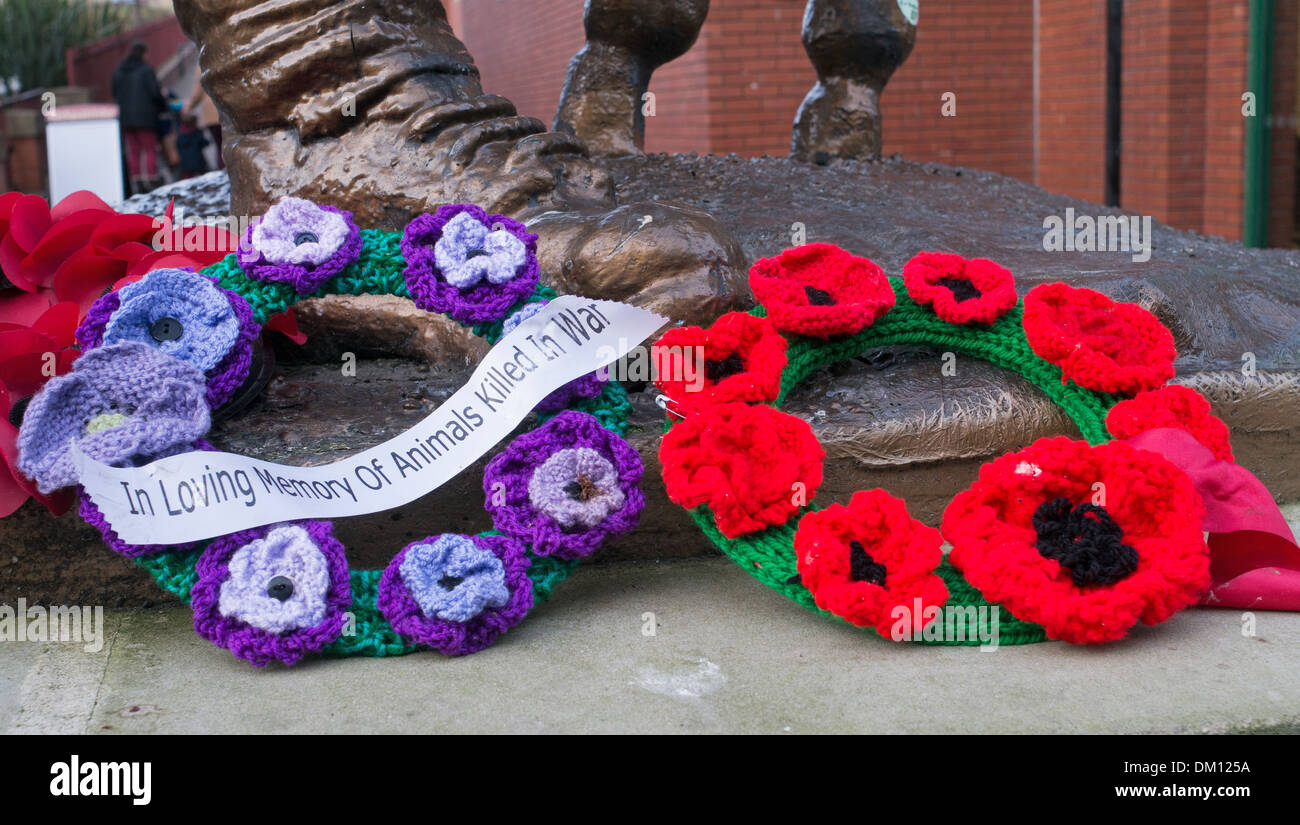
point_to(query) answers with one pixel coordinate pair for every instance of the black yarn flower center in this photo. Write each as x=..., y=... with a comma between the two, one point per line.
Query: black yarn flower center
x=475, y=253
x=818, y=297
x=716, y=370
x=450, y=582
x=863, y=568
x=961, y=289
x=582, y=489
x=1084, y=540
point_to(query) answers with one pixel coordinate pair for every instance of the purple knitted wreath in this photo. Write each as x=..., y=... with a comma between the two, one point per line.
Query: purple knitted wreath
x=91, y=515
x=468, y=264
x=119, y=404
x=456, y=593
x=565, y=487
x=230, y=371
x=275, y=592
x=584, y=386
x=299, y=243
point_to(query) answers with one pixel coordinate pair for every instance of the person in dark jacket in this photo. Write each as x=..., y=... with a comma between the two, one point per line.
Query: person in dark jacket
x=140, y=102
x=190, y=141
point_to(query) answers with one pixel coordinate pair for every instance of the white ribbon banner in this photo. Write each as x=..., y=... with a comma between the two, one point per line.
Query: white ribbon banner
x=200, y=495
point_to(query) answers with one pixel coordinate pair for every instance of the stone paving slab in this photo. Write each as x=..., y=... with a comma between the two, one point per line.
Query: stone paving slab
x=727, y=655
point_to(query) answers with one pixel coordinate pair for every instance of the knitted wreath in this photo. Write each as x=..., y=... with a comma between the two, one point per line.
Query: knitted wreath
x=1077, y=539
x=164, y=353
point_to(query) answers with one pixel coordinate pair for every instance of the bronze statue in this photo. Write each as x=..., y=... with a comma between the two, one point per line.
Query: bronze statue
x=375, y=106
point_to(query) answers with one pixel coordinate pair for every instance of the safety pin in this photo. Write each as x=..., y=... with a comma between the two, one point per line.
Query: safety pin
x=669, y=406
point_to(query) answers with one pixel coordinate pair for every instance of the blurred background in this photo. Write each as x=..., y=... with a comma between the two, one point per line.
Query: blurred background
x=1202, y=105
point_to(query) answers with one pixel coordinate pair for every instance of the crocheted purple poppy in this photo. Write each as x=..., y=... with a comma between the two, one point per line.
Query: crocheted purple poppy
x=276, y=592
x=92, y=515
x=565, y=486
x=584, y=386
x=121, y=404
x=465, y=263
x=185, y=315
x=299, y=243
x=456, y=593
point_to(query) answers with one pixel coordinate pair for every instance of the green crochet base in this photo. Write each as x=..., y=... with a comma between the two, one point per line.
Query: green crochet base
x=378, y=270
x=769, y=555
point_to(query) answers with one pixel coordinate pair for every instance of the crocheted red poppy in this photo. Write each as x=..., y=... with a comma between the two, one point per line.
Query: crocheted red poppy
x=1174, y=406
x=862, y=561
x=739, y=358
x=1082, y=540
x=1099, y=343
x=960, y=290
x=820, y=290
x=745, y=462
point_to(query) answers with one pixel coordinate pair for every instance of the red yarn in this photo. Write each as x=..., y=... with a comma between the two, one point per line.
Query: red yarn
x=880, y=524
x=1171, y=406
x=744, y=461
x=993, y=282
x=1099, y=343
x=857, y=291
x=736, y=336
x=994, y=541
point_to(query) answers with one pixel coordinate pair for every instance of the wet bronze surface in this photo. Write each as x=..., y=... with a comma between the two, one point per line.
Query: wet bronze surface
x=375, y=106
x=602, y=101
x=855, y=46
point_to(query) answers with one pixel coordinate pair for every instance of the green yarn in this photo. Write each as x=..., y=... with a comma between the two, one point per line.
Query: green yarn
x=768, y=555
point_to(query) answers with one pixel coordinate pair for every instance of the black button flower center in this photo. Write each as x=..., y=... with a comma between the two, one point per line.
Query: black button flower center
x=716, y=370
x=582, y=489
x=305, y=237
x=280, y=588
x=166, y=329
x=961, y=289
x=450, y=582
x=863, y=568
x=1084, y=540
x=818, y=297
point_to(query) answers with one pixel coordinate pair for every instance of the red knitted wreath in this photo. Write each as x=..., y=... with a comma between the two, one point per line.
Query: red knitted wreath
x=744, y=461
x=862, y=561
x=960, y=290
x=1099, y=343
x=820, y=290
x=1000, y=537
x=742, y=361
x=1171, y=406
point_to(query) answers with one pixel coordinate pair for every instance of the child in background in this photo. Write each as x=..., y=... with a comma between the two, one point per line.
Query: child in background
x=190, y=142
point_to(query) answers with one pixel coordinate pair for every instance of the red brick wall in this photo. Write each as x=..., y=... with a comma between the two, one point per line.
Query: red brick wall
x=1223, y=182
x=1072, y=98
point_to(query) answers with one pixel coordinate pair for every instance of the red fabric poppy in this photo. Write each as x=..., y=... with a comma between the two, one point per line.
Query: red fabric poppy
x=1174, y=406
x=820, y=290
x=739, y=358
x=862, y=561
x=745, y=461
x=1099, y=343
x=1082, y=540
x=960, y=290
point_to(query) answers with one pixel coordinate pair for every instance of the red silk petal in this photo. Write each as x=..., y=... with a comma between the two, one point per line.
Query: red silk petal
x=286, y=323
x=29, y=220
x=22, y=308
x=80, y=200
x=11, y=263
x=1254, y=558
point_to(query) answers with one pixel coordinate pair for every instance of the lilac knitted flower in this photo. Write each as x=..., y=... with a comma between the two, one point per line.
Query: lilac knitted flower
x=186, y=315
x=456, y=593
x=301, y=244
x=276, y=592
x=121, y=404
x=565, y=486
x=91, y=515
x=584, y=386
x=465, y=263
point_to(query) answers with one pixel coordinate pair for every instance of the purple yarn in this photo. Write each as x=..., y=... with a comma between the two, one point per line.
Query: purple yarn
x=91, y=515
x=256, y=645
x=511, y=505
x=584, y=386
x=162, y=401
x=225, y=377
x=299, y=243
x=455, y=638
x=478, y=301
